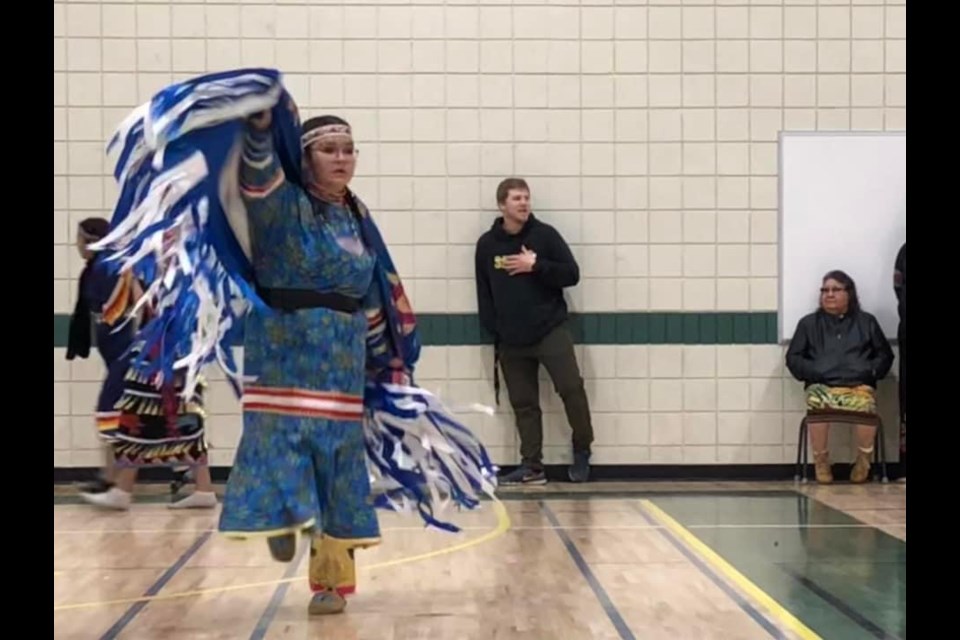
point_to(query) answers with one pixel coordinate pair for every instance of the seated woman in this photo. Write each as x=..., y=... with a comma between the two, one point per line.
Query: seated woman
x=839, y=352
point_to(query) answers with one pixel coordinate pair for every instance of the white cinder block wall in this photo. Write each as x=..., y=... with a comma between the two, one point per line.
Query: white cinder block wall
x=647, y=130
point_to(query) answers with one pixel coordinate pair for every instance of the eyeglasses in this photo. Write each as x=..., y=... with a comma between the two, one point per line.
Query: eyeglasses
x=346, y=152
x=832, y=289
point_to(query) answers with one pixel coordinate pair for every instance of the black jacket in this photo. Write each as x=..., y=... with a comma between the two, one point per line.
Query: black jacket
x=900, y=287
x=839, y=351
x=521, y=310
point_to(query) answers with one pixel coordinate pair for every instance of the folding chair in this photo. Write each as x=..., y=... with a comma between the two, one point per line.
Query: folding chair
x=802, y=471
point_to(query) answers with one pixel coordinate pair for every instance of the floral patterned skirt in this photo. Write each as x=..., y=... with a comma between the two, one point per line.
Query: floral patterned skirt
x=295, y=473
x=856, y=400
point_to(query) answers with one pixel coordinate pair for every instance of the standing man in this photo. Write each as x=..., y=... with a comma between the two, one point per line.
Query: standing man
x=522, y=267
x=900, y=287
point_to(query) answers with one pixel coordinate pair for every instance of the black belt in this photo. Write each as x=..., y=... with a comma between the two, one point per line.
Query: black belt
x=290, y=300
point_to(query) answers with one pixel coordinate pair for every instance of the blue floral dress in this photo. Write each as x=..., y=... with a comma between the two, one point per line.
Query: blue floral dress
x=301, y=462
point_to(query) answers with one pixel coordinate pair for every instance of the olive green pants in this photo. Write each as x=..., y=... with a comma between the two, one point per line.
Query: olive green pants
x=520, y=366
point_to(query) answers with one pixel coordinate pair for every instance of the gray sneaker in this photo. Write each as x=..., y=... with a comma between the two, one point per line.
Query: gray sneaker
x=524, y=474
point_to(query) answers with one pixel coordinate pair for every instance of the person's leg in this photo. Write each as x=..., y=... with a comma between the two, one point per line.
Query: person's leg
x=520, y=368
x=819, y=436
x=126, y=478
x=348, y=520
x=203, y=496
x=193, y=451
x=861, y=399
x=115, y=489
x=271, y=490
x=109, y=468
x=865, y=435
x=559, y=358
x=104, y=480
x=107, y=421
x=823, y=399
x=204, y=480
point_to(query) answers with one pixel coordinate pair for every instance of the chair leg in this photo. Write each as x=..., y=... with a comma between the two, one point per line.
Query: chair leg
x=800, y=472
x=880, y=449
x=796, y=466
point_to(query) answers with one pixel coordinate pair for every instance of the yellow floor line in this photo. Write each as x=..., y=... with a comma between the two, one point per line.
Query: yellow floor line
x=787, y=619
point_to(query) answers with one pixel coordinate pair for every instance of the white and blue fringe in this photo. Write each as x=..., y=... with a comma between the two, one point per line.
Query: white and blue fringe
x=420, y=457
x=170, y=227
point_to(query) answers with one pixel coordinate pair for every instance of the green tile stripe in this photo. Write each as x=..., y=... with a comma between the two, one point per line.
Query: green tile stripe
x=458, y=329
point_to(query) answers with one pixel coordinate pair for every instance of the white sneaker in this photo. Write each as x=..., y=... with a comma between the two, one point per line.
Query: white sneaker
x=196, y=500
x=114, y=498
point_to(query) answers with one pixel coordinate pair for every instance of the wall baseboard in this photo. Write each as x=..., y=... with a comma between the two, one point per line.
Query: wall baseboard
x=613, y=472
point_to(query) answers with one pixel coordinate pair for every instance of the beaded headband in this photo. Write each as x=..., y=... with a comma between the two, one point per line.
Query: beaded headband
x=311, y=136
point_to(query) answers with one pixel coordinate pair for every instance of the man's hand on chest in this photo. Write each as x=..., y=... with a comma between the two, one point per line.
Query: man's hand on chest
x=517, y=263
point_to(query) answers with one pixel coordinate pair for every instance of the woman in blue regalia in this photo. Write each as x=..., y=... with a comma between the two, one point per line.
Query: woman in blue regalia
x=301, y=463
x=232, y=210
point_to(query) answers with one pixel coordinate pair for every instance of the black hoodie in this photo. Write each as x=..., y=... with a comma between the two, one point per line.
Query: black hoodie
x=521, y=310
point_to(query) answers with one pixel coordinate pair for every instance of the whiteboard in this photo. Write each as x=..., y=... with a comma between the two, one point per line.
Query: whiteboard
x=843, y=205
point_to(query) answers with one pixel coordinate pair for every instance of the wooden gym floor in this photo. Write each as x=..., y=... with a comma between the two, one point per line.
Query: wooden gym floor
x=605, y=560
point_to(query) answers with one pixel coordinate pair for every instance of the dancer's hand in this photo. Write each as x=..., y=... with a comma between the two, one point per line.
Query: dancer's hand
x=262, y=120
x=400, y=377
